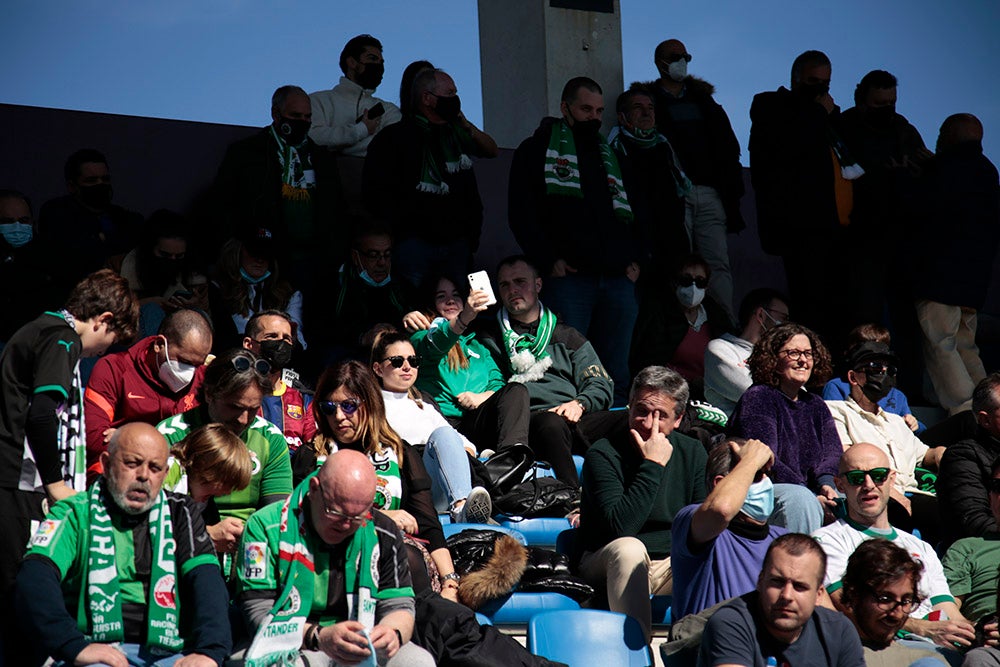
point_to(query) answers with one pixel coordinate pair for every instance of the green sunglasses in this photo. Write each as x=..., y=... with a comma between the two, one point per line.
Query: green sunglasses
x=857, y=477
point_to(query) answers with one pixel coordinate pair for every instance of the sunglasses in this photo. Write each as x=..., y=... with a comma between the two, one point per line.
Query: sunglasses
x=687, y=280
x=243, y=363
x=397, y=360
x=876, y=368
x=348, y=407
x=857, y=477
x=674, y=57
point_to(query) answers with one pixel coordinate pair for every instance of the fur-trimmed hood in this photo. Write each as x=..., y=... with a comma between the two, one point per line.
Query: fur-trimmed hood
x=498, y=577
x=695, y=86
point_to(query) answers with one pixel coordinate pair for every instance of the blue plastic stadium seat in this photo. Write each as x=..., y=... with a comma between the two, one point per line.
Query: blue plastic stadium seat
x=578, y=460
x=589, y=638
x=444, y=518
x=660, y=605
x=522, y=607
x=455, y=528
x=541, y=532
x=483, y=619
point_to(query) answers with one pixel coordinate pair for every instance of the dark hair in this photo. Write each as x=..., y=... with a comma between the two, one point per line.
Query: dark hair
x=511, y=260
x=877, y=78
x=365, y=227
x=763, y=361
x=808, y=59
x=280, y=96
x=689, y=260
x=574, y=85
x=634, y=90
x=222, y=378
x=76, y=161
x=254, y=326
x=424, y=81
x=176, y=326
x=758, y=298
x=382, y=342
x=984, y=395
x=958, y=128
x=868, y=333
x=375, y=432
x=664, y=380
x=9, y=193
x=161, y=224
x=722, y=459
x=235, y=294
x=874, y=564
x=456, y=359
x=406, y=84
x=796, y=544
x=105, y=291
x=355, y=47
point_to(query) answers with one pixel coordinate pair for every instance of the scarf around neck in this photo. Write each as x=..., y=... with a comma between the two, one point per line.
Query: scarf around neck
x=279, y=638
x=527, y=352
x=562, y=170
x=99, y=614
x=452, y=142
x=682, y=184
x=297, y=176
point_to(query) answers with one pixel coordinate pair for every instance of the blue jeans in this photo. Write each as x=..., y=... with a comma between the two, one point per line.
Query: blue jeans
x=448, y=466
x=604, y=310
x=413, y=260
x=797, y=509
x=137, y=657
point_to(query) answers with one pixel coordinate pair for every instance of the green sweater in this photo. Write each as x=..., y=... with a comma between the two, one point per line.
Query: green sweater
x=443, y=383
x=624, y=495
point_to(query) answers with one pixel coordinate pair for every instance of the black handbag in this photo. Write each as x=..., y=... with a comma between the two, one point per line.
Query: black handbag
x=508, y=468
x=539, y=497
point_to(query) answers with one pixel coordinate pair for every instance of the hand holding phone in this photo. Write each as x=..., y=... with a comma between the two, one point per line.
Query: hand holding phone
x=480, y=281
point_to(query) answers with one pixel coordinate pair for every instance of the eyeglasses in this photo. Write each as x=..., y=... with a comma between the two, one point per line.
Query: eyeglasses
x=348, y=407
x=397, y=360
x=686, y=280
x=674, y=57
x=795, y=355
x=887, y=602
x=356, y=520
x=375, y=255
x=857, y=477
x=243, y=363
x=877, y=368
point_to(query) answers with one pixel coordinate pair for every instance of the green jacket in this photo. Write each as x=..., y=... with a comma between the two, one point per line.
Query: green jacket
x=443, y=383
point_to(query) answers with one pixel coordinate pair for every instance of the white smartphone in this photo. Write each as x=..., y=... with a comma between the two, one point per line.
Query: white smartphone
x=480, y=280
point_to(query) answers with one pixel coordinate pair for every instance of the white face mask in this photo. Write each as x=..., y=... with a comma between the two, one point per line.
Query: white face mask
x=175, y=374
x=690, y=296
x=678, y=70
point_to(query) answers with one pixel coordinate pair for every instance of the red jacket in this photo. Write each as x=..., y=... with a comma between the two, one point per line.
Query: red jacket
x=124, y=387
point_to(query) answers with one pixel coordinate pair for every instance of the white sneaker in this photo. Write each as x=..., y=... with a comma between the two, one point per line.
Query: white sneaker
x=478, y=507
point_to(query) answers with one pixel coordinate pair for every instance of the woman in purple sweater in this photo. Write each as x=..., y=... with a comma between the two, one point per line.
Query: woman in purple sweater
x=796, y=424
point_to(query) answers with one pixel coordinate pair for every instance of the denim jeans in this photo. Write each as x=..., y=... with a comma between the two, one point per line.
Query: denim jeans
x=604, y=310
x=137, y=656
x=797, y=509
x=448, y=466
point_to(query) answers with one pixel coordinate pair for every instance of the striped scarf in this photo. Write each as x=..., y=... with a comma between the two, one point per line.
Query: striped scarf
x=528, y=354
x=452, y=144
x=297, y=176
x=562, y=172
x=682, y=184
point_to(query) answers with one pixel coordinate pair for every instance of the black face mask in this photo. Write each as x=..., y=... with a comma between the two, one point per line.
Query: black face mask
x=278, y=352
x=448, y=107
x=292, y=130
x=881, y=116
x=165, y=268
x=877, y=386
x=96, y=196
x=371, y=76
x=586, y=128
x=812, y=91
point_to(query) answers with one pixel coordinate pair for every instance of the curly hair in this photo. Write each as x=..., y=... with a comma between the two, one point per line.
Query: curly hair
x=876, y=563
x=765, y=361
x=105, y=291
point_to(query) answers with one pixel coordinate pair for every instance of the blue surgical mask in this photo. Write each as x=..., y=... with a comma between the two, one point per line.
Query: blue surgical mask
x=17, y=233
x=254, y=281
x=760, y=500
x=368, y=280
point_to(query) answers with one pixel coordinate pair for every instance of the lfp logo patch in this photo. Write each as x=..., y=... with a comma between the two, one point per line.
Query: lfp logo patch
x=253, y=561
x=46, y=531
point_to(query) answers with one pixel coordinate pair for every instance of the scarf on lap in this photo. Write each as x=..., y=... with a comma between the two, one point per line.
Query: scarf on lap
x=682, y=184
x=452, y=144
x=279, y=638
x=562, y=171
x=100, y=609
x=528, y=354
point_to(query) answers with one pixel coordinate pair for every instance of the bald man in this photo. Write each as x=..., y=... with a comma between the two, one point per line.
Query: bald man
x=866, y=479
x=137, y=555
x=154, y=379
x=316, y=540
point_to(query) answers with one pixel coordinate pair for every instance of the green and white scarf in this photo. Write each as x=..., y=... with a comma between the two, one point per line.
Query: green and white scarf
x=682, y=184
x=528, y=354
x=452, y=144
x=297, y=176
x=279, y=638
x=99, y=615
x=562, y=172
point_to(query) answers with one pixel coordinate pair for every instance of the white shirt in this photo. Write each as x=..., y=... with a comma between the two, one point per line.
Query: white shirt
x=727, y=375
x=412, y=422
x=886, y=431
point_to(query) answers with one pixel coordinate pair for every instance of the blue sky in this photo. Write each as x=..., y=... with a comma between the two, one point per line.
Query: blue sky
x=219, y=60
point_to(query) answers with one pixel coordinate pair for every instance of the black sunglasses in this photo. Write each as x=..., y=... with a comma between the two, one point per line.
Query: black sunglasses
x=348, y=407
x=877, y=368
x=243, y=363
x=674, y=57
x=857, y=477
x=398, y=359
x=687, y=280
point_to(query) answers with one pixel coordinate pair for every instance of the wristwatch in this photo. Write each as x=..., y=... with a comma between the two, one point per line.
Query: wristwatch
x=453, y=576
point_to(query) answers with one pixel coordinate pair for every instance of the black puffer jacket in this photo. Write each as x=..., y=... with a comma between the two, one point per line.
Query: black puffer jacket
x=963, y=486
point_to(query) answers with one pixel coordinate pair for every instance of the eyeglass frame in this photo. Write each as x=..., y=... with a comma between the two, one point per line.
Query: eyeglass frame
x=262, y=366
x=883, y=599
x=329, y=408
x=355, y=520
x=413, y=359
x=795, y=355
x=847, y=475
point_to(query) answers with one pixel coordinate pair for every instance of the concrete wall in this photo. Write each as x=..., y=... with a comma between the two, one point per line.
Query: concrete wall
x=529, y=50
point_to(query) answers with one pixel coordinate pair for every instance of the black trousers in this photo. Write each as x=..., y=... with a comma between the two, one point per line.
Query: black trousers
x=554, y=439
x=500, y=421
x=17, y=510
